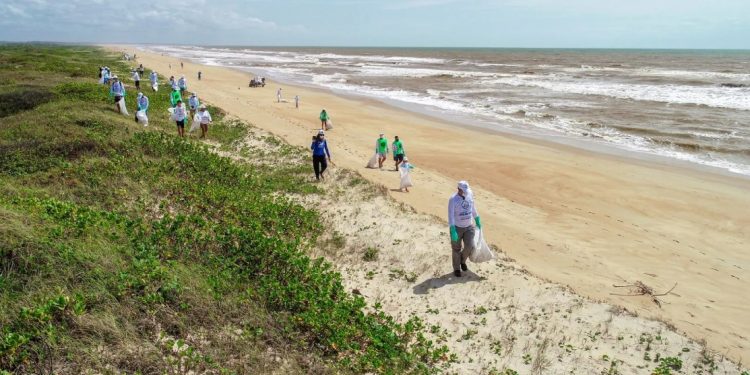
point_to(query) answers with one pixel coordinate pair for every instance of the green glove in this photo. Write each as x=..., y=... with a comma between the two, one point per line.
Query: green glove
x=454, y=234
x=479, y=223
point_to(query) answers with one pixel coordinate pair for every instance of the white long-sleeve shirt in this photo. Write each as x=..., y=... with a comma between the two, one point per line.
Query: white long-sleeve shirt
x=461, y=211
x=179, y=113
x=205, y=117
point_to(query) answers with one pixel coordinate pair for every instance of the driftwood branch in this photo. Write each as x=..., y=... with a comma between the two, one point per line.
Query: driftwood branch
x=638, y=288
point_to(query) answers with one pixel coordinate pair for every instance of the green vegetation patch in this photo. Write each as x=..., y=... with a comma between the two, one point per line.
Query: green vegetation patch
x=127, y=248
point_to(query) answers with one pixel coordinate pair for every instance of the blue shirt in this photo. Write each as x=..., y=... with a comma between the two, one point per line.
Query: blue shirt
x=320, y=148
x=143, y=103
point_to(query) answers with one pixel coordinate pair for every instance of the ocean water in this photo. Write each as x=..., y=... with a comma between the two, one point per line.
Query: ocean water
x=688, y=105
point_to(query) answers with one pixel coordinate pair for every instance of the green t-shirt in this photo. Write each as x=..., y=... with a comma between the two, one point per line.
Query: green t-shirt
x=323, y=116
x=382, y=145
x=175, y=97
x=398, y=148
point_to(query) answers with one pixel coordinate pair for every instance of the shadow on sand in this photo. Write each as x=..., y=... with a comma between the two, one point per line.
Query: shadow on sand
x=447, y=279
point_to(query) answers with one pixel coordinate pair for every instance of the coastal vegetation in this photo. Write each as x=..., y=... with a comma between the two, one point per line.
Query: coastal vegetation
x=128, y=249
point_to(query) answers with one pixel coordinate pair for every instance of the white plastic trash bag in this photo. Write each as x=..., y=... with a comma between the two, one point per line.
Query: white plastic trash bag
x=196, y=123
x=329, y=124
x=482, y=252
x=142, y=118
x=171, y=114
x=123, y=108
x=405, y=178
x=373, y=163
x=155, y=87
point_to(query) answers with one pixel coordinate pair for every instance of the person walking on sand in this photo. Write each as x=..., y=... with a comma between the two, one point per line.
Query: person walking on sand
x=182, y=66
x=296, y=101
x=193, y=104
x=117, y=90
x=406, y=168
x=319, y=149
x=323, y=119
x=461, y=211
x=398, y=152
x=175, y=97
x=381, y=148
x=182, y=83
x=137, y=79
x=205, y=119
x=179, y=117
x=199, y=75
x=278, y=95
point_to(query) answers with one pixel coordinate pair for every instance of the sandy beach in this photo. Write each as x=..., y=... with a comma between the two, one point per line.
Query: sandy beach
x=579, y=219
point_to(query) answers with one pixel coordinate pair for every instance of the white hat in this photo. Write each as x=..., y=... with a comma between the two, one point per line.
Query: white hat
x=321, y=132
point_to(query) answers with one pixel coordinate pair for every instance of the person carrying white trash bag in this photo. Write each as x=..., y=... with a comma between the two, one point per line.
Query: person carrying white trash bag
x=141, y=116
x=381, y=151
x=154, y=77
x=117, y=90
x=462, y=216
x=405, y=170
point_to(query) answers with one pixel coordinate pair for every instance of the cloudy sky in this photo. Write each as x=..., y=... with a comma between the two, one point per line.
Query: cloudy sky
x=450, y=23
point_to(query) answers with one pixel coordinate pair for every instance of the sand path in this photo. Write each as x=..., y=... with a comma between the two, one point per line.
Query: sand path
x=576, y=218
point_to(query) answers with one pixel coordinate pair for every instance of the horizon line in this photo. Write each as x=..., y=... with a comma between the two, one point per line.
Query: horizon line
x=374, y=46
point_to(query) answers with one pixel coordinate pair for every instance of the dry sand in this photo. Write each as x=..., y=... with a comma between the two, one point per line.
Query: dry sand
x=575, y=218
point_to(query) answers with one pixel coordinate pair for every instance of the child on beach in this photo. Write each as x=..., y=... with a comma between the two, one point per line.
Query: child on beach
x=406, y=175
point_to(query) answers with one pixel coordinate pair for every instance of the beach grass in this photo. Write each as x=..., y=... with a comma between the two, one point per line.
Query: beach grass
x=128, y=249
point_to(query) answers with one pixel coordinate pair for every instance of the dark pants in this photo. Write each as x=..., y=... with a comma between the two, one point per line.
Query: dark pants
x=138, y=85
x=465, y=235
x=320, y=165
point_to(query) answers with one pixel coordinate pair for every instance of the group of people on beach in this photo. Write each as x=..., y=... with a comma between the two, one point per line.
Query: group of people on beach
x=463, y=218
x=179, y=113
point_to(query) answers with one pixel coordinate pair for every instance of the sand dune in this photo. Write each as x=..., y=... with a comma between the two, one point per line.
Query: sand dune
x=579, y=219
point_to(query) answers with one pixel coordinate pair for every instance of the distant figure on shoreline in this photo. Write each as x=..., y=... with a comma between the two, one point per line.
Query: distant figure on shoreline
x=323, y=118
x=381, y=148
x=278, y=95
x=461, y=211
x=296, y=101
x=182, y=66
x=319, y=149
x=199, y=75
